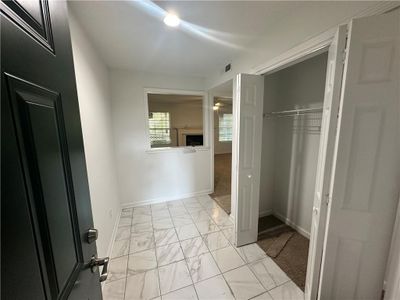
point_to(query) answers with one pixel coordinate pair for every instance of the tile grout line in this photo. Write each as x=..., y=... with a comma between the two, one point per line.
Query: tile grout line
x=246, y=263
x=180, y=246
x=221, y=274
x=185, y=259
x=194, y=287
x=192, y=238
x=201, y=235
x=129, y=254
x=203, y=279
x=155, y=253
x=129, y=250
x=209, y=251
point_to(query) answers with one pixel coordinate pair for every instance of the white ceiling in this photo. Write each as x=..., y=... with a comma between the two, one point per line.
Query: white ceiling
x=132, y=35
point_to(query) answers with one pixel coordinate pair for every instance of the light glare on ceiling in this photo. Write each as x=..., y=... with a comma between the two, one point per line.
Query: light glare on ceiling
x=172, y=20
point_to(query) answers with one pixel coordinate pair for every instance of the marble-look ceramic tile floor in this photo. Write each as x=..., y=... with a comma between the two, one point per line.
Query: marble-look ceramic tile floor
x=183, y=250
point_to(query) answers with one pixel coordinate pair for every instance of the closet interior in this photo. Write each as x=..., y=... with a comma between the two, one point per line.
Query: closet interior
x=293, y=100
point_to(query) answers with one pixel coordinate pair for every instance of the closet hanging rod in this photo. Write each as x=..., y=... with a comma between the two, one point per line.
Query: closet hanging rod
x=294, y=112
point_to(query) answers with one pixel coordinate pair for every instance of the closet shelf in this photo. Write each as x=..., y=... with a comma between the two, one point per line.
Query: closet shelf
x=293, y=112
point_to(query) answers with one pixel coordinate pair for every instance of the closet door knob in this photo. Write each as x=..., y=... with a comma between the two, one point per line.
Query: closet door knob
x=249, y=176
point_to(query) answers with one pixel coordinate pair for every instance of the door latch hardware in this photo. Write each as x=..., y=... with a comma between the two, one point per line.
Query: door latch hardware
x=96, y=262
x=92, y=235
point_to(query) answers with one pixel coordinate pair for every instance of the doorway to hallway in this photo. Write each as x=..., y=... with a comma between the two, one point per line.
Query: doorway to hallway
x=223, y=121
x=222, y=180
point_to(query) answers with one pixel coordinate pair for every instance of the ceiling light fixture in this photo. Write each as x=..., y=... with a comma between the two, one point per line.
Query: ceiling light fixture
x=172, y=20
x=215, y=107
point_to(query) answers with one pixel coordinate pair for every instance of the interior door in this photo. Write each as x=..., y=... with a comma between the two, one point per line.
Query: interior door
x=325, y=159
x=45, y=204
x=392, y=287
x=246, y=155
x=365, y=187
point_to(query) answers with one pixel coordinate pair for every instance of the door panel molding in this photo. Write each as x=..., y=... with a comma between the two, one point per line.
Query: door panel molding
x=40, y=30
x=248, y=135
x=45, y=207
x=366, y=170
x=366, y=134
x=246, y=155
x=25, y=100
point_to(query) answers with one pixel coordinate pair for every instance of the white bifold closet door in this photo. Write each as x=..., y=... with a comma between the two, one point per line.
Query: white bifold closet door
x=366, y=167
x=248, y=100
x=333, y=84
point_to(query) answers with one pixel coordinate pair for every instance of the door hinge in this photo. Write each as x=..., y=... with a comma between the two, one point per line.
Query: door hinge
x=344, y=55
x=383, y=290
x=327, y=198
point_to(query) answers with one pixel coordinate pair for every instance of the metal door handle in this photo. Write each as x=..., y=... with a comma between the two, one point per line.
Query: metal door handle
x=96, y=262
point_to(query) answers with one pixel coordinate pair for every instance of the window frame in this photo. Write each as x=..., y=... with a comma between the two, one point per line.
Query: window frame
x=219, y=128
x=168, y=119
x=206, y=120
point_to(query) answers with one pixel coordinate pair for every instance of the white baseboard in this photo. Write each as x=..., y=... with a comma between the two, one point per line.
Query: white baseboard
x=299, y=229
x=261, y=214
x=114, y=233
x=232, y=218
x=264, y=213
x=165, y=199
x=223, y=152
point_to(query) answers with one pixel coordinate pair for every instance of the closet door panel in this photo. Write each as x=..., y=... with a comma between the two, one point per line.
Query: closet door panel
x=365, y=187
x=248, y=108
x=325, y=159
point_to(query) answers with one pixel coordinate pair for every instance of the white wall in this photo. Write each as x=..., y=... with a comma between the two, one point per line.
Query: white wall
x=290, y=148
x=94, y=104
x=151, y=176
x=302, y=25
x=267, y=171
